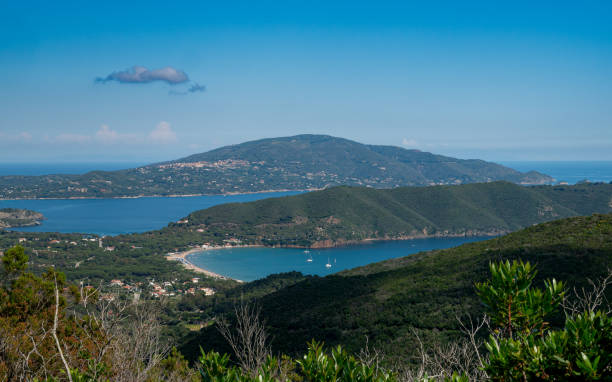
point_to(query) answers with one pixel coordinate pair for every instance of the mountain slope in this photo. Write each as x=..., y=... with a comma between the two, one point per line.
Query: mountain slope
x=347, y=214
x=291, y=163
x=385, y=302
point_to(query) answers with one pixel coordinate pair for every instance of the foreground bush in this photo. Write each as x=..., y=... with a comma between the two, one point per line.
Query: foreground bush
x=524, y=347
x=316, y=365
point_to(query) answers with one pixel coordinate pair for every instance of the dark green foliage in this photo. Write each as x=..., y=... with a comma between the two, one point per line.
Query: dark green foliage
x=290, y=163
x=512, y=304
x=339, y=366
x=15, y=260
x=582, y=351
x=316, y=365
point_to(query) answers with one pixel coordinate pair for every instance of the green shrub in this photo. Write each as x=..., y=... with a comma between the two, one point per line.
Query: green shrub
x=524, y=347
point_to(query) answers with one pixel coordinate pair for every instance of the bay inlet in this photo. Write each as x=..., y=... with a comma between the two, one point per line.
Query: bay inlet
x=248, y=264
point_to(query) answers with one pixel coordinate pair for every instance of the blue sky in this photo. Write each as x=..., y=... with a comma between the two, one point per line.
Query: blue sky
x=513, y=81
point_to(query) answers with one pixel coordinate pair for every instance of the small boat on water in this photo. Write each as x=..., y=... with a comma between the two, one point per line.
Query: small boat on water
x=328, y=265
x=309, y=259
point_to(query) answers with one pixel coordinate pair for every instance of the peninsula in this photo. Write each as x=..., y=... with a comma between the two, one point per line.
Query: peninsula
x=344, y=215
x=14, y=217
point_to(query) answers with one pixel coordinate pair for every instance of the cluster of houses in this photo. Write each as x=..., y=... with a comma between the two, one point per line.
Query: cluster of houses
x=165, y=288
x=220, y=164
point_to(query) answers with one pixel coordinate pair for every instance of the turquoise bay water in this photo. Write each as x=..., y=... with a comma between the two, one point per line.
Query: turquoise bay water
x=249, y=264
x=117, y=216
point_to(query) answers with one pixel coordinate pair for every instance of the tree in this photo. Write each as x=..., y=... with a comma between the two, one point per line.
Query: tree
x=15, y=260
x=39, y=338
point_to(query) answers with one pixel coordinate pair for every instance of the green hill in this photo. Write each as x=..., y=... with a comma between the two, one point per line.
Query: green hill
x=385, y=302
x=349, y=214
x=301, y=162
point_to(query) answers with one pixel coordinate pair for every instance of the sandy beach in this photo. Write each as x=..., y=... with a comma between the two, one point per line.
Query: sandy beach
x=182, y=257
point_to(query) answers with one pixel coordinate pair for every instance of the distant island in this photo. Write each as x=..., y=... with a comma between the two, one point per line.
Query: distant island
x=303, y=162
x=14, y=217
x=345, y=215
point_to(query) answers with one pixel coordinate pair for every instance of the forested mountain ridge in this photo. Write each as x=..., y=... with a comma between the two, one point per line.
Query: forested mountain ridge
x=386, y=304
x=302, y=162
x=343, y=215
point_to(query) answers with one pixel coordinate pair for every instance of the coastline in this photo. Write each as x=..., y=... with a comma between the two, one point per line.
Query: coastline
x=182, y=258
x=165, y=196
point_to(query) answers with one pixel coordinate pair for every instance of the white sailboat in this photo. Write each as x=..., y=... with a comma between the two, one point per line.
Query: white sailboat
x=328, y=265
x=309, y=259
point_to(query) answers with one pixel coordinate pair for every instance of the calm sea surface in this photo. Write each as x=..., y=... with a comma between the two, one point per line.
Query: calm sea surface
x=117, y=216
x=249, y=264
x=570, y=172
x=62, y=168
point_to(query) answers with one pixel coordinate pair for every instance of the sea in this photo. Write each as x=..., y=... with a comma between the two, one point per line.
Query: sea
x=569, y=172
x=118, y=216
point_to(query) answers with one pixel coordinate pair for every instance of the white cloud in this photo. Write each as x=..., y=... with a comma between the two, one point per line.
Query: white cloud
x=410, y=142
x=140, y=74
x=163, y=134
x=106, y=135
